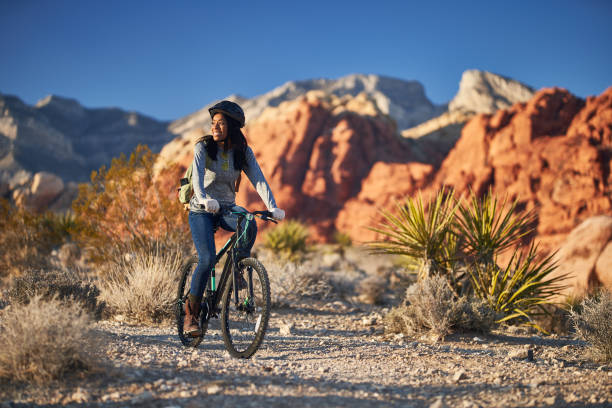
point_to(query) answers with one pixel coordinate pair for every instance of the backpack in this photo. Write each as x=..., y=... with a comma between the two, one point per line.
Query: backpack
x=185, y=190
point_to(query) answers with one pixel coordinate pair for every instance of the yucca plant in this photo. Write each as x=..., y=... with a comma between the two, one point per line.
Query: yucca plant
x=521, y=289
x=489, y=226
x=421, y=231
x=289, y=239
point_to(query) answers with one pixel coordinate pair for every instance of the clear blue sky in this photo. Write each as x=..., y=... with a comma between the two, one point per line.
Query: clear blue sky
x=167, y=59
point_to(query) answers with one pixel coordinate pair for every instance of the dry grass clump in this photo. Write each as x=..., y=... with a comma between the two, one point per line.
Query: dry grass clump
x=371, y=290
x=143, y=288
x=431, y=306
x=594, y=324
x=61, y=284
x=44, y=341
x=27, y=238
x=290, y=282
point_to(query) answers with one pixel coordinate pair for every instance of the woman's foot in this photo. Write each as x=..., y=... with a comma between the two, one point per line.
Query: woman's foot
x=192, y=312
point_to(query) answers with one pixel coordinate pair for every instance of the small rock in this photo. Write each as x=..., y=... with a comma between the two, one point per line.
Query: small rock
x=459, y=375
x=438, y=403
x=145, y=396
x=114, y=396
x=536, y=382
x=324, y=369
x=368, y=320
x=214, y=389
x=552, y=401
x=287, y=329
x=80, y=396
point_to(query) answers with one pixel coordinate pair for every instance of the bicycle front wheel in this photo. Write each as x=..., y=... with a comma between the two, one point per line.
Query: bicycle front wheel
x=244, y=324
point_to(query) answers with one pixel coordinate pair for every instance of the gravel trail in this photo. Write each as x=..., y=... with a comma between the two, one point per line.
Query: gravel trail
x=333, y=355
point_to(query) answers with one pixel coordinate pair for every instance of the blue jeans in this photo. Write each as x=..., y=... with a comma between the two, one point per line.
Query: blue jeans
x=202, y=227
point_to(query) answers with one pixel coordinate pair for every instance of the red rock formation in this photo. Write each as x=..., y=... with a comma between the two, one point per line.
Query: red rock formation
x=552, y=153
x=316, y=153
x=334, y=162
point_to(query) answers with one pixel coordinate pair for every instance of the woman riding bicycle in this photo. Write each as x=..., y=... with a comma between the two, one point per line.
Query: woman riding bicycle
x=218, y=161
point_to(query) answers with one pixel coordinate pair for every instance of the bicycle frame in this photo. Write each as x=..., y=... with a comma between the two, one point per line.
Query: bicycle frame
x=214, y=293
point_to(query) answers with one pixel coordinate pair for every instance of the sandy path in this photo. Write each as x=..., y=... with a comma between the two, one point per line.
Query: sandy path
x=335, y=355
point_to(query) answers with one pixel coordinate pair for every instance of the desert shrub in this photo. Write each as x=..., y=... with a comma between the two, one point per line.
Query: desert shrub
x=489, y=226
x=475, y=315
x=143, y=287
x=520, y=290
x=129, y=207
x=463, y=241
x=288, y=239
x=291, y=282
x=27, y=238
x=422, y=232
x=342, y=239
x=371, y=290
x=593, y=322
x=62, y=285
x=45, y=341
x=431, y=306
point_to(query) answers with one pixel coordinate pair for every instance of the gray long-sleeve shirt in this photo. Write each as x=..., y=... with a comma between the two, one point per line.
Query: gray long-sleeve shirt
x=217, y=178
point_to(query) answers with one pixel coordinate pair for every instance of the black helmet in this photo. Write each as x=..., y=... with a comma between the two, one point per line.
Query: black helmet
x=230, y=109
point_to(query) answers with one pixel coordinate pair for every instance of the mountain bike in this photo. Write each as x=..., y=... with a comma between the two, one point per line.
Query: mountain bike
x=241, y=298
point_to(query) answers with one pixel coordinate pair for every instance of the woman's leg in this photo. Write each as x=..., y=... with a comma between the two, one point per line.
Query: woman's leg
x=202, y=232
x=246, y=240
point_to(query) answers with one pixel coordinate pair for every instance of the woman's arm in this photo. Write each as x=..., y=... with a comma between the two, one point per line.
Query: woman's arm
x=255, y=175
x=197, y=176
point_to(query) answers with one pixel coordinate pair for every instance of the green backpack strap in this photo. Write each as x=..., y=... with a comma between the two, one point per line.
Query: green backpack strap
x=185, y=190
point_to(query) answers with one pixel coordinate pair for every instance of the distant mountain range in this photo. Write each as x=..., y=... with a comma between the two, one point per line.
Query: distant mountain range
x=60, y=136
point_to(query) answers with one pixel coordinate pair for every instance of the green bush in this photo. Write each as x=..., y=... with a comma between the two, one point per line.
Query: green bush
x=521, y=289
x=289, y=239
x=462, y=242
x=421, y=231
x=342, y=239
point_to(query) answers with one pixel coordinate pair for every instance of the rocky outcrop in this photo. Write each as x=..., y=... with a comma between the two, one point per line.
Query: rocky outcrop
x=335, y=161
x=485, y=92
x=585, y=259
x=552, y=153
x=404, y=101
x=40, y=192
x=479, y=92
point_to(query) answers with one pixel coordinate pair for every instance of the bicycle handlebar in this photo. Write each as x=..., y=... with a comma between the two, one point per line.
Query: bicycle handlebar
x=264, y=215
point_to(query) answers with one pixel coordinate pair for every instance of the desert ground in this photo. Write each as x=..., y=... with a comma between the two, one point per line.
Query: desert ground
x=330, y=352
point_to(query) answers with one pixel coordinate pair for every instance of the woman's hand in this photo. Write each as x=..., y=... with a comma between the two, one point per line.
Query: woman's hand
x=278, y=214
x=211, y=205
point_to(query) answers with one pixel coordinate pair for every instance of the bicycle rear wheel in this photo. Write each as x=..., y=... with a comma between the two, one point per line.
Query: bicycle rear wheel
x=183, y=291
x=244, y=324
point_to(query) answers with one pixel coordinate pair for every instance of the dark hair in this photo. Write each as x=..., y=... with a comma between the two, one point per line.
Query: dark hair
x=235, y=139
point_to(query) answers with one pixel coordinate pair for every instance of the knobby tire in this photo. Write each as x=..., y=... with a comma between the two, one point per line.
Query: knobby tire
x=232, y=319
